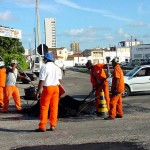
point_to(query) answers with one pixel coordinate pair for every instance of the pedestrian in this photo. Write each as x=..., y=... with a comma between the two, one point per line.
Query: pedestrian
x=117, y=88
x=99, y=81
x=49, y=79
x=2, y=82
x=11, y=90
x=64, y=69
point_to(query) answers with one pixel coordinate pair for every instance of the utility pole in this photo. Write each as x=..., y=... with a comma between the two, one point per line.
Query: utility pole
x=131, y=50
x=35, y=40
x=38, y=22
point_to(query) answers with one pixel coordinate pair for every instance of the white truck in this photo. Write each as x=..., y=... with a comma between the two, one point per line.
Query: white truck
x=38, y=62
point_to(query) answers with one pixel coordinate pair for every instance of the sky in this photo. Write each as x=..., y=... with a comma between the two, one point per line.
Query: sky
x=92, y=23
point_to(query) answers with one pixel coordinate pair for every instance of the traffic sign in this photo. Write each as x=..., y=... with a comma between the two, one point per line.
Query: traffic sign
x=42, y=49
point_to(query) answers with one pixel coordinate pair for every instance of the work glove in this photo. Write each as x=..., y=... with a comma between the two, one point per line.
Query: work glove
x=27, y=78
x=114, y=92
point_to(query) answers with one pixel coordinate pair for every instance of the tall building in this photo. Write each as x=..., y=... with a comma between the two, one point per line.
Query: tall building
x=50, y=32
x=75, y=47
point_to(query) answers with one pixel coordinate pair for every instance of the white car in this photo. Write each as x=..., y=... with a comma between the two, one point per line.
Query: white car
x=136, y=80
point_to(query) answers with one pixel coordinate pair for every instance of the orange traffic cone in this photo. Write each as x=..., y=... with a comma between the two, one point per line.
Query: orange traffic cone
x=102, y=107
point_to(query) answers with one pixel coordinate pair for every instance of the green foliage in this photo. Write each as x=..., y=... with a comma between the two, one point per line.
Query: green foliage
x=11, y=45
x=11, y=48
x=19, y=57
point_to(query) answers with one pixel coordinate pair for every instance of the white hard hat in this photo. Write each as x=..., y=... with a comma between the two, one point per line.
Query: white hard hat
x=14, y=61
x=2, y=63
x=116, y=60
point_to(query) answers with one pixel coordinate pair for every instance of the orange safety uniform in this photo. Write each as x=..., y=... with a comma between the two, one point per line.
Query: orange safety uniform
x=98, y=73
x=116, y=100
x=50, y=75
x=2, y=85
x=49, y=99
x=11, y=90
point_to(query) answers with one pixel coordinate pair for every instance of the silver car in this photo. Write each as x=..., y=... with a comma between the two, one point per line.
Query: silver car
x=136, y=80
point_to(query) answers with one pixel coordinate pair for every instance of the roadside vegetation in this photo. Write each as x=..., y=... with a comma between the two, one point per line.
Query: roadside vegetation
x=11, y=48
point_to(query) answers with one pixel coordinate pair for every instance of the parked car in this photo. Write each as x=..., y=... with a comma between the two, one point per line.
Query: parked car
x=136, y=80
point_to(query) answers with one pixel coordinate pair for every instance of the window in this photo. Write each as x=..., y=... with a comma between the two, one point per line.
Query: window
x=141, y=73
x=37, y=60
x=147, y=72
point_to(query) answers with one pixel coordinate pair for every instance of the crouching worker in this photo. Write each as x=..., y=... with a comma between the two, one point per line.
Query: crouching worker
x=49, y=78
x=2, y=82
x=11, y=90
x=99, y=81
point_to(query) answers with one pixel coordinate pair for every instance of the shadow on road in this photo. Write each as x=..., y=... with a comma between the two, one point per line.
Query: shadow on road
x=88, y=146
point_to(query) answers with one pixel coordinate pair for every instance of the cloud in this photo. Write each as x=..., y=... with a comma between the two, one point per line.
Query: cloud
x=90, y=31
x=6, y=16
x=138, y=24
x=108, y=37
x=123, y=33
x=105, y=13
x=143, y=9
x=24, y=1
x=32, y=4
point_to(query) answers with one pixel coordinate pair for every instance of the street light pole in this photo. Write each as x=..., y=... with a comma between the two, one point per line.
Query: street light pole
x=38, y=22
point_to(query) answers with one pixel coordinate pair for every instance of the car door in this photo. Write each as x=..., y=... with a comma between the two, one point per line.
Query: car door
x=141, y=80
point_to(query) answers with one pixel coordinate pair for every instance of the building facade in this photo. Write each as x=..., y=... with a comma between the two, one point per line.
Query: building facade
x=75, y=47
x=50, y=32
x=141, y=52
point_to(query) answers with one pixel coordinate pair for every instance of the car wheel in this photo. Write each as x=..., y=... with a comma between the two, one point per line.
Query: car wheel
x=127, y=91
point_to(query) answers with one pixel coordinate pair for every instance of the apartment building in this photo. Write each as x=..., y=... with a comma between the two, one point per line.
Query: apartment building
x=75, y=47
x=50, y=32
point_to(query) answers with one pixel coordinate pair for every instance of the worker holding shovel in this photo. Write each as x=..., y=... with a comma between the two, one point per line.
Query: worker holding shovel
x=99, y=81
x=11, y=89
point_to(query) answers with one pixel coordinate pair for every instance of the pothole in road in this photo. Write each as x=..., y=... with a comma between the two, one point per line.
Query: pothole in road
x=88, y=146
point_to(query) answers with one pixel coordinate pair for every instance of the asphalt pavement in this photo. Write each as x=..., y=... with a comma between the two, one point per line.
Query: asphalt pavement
x=83, y=132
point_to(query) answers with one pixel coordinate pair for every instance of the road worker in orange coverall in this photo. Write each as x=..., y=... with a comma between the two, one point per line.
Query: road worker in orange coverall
x=50, y=77
x=11, y=90
x=98, y=75
x=2, y=82
x=116, y=110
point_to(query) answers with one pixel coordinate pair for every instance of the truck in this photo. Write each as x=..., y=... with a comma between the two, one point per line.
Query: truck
x=38, y=62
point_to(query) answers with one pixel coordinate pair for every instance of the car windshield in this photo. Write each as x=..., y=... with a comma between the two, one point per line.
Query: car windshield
x=37, y=60
x=131, y=72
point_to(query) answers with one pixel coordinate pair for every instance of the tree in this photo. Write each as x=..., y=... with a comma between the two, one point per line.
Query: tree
x=11, y=48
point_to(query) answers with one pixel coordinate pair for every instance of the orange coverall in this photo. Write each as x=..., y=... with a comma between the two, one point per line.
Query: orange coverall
x=100, y=74
x=12, y=91
x=2, y=85
x=116, y=100
x=49, y=99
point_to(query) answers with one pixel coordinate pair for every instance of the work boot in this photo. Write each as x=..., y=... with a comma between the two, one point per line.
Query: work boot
x=39, y=130
x=52, y=128
x=109, y=118
x=119, y=116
